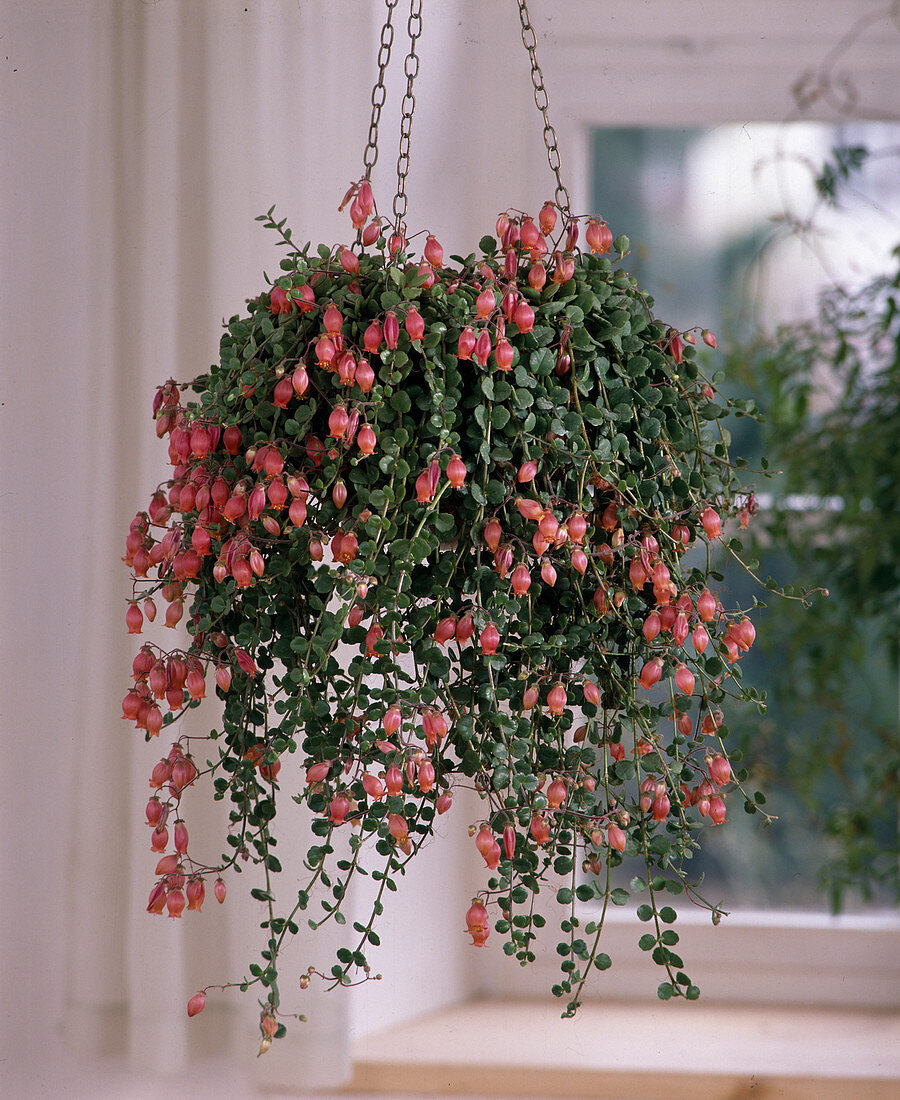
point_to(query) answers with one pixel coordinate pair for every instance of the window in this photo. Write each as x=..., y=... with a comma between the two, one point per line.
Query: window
x=714, y=218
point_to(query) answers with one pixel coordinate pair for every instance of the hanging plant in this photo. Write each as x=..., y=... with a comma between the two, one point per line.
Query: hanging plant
x=435, y=524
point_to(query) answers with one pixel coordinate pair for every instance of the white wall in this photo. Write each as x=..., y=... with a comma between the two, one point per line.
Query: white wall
x=137, y=142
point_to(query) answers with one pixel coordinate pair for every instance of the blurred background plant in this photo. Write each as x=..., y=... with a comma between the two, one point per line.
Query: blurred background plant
x=785, y=234
x=830, y=388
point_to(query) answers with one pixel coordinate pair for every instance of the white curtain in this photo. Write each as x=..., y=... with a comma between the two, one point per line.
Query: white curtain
x=138, y=141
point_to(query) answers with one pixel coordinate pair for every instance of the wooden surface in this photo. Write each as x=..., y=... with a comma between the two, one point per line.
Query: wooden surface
x=523, y=1049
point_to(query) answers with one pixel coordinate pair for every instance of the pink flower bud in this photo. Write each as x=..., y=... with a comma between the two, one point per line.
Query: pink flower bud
x=482, y=350
x=332, y=320
x=706, y=606
x=181, y=837
x=539, y=829
x=711, y=522
x=485, y=844
x=160, y=774
x=504, y=354
x=477, y=924
x=556, y=699
x=338, y=809
x=466, y=344
x=684, y=680
x=220, y=890
x=433, y=252
x=279, y=301
x=372, y=232
x=652, y=626
x=456, y=472
x=503, y=559
x=424, y=491
x=196, y=1004
x=719, y=770
x=365, y=376
x=745, y=633
x=490, y=639
x=155, y=811
x=175, y=902
x=196, y=894
x=556, y=794
x=297, y=516
x=157, y=901
x=393, y=781
x=485, y=303
x=366, y=440
x=676, y=346
x=399, y=830
x=245, y=662
x=415, y=325
x=548, y=573
x=391, y=330
x=660, y=807
x=547, y=217
x=338, y=421
x=520, y=580
x=717, y=810
x=492, y=534
x=134, y=619
x=527, y=472
x=524, y=317
x=651, y=673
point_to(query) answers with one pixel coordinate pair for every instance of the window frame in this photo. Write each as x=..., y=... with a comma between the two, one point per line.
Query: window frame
x=788, y=957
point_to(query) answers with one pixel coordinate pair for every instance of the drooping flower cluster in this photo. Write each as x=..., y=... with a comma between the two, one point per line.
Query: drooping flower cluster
x=511, y=465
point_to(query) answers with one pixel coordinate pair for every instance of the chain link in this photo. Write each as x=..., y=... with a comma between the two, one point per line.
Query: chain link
x=370, y=156
x=542, y=102
x=411, y=69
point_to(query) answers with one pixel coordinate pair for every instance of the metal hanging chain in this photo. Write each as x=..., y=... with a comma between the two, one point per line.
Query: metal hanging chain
x=370, y=156
x=411, y=69
x=542, y=102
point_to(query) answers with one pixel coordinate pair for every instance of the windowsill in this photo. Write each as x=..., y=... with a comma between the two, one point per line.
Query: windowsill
x=506, y=1048
x=798, y=959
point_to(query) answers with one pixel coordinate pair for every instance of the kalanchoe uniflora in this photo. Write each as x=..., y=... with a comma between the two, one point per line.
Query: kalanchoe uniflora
x=481, y=482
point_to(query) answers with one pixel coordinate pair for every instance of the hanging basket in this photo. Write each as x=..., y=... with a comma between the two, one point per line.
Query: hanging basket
x=435, y=524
